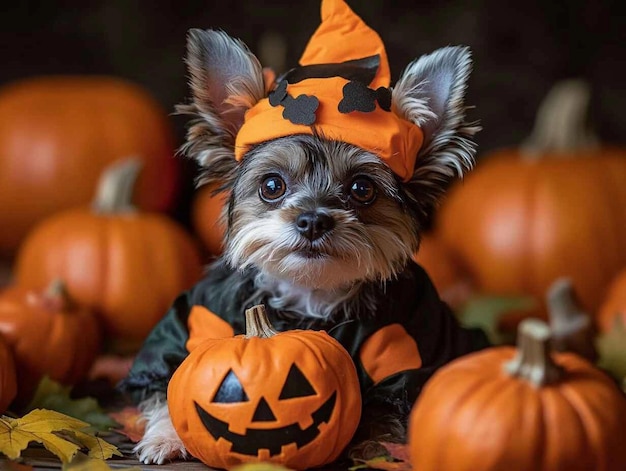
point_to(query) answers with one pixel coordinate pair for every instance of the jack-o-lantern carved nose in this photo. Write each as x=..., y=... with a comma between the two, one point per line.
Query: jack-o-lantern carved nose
x=314, y=224
x=263, y=412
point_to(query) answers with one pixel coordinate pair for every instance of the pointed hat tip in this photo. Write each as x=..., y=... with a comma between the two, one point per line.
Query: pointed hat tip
x=332, y=8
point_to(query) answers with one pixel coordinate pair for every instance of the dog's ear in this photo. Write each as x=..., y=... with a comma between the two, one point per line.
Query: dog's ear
x=431, y=94
x=226, y=79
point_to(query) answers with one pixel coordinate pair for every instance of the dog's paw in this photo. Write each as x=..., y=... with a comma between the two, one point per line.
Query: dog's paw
x=158, y=450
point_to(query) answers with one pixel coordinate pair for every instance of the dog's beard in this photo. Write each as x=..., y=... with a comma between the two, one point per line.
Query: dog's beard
x=365, y=244
x=350, y=253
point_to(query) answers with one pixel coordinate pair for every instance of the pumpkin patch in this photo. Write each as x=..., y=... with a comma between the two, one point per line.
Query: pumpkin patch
x=290, y=398
x=57, y=134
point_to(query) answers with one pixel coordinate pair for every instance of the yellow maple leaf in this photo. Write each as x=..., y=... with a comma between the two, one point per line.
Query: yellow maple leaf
x=84, y=463
x=58, y=433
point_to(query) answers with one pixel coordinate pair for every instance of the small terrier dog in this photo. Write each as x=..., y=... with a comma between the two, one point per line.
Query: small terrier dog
x=331, y=177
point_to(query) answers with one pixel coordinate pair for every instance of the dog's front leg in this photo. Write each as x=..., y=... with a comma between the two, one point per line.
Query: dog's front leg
x=160, y=442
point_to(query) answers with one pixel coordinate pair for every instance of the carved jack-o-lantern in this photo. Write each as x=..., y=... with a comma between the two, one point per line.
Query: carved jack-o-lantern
x=291, y=398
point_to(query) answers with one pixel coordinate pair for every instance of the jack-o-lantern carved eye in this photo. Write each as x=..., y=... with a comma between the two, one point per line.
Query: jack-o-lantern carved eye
x=230, y=390
x=296, y=385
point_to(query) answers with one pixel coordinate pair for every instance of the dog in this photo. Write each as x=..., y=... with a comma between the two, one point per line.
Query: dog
x=332, y=176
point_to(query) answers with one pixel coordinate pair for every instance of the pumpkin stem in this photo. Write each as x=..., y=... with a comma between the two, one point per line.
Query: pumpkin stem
x=116, y=185
x=258, y=324
x=561, y=122
x=533, y=362
x=54, y=298
x=572, y=329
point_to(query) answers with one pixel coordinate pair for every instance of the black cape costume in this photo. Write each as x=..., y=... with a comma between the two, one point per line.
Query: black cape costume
x=396, y=345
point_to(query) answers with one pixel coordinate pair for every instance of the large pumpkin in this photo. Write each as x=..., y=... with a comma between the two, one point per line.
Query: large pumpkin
x=291, y=398
x=554, y=208
x=127, y=265
x=49, y=335
x=504, y=409
x=58, y=133
x=613, y=307
x=8, y=381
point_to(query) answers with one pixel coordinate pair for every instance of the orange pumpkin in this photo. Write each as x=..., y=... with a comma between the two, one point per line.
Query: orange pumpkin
x=290, y=398
x=8, y=381
x=206, y=211
x=519, y=410
x=445, y=271
x=125, y=264
x=49, y=335
x=554, y=208
x=58, y=133
x=613, y=308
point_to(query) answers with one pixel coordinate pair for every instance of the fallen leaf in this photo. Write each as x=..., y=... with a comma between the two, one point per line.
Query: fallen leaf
x=612, y=351
x=398, y=451
x=132, y=423
x=60, y=434
x=84, y=463
x=54, y=396
x=486, y=311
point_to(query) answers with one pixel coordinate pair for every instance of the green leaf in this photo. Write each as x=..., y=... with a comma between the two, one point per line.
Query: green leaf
x=612, y=351
x=485, y=311
x=54, y=396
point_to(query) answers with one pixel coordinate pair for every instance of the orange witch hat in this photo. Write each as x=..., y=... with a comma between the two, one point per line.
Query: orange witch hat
x=340, y=90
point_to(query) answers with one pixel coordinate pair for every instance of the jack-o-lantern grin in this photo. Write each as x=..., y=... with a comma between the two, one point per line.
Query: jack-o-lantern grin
x=269, y=439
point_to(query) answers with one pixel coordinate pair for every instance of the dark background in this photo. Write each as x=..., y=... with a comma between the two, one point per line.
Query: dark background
x=520, y=48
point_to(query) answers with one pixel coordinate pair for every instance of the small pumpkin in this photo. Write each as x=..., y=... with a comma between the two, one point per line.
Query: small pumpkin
x=519, y=409
x=8, y=380
x=206, y=211
x=290, y=398
x=49, y=334
x=125, y=264
x=556, y=207
x=58, y=133
x=613, y=308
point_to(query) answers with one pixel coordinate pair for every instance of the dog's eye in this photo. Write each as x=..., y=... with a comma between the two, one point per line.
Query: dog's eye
x=362, y=190
x=272, y=188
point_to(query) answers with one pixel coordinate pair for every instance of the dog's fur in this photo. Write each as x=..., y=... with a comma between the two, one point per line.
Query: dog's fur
x=326, y=276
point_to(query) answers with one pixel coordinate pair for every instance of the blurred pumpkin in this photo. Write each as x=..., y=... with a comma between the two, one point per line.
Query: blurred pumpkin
x=554, y=208
x=206, y=211
x=8, y=381
x=613, y=307
x=446, y=272
x=49, y=334
x=125, y=264
x=519, y=409
x=58, y=133
x=291, y=398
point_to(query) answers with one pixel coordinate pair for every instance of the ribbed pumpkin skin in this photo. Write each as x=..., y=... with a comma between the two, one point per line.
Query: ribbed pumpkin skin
x=58, y=133
x=262, y=366
x=8, y=381
x=57, y=341
x=127, y=267
x=473, y=416
x=518, y=225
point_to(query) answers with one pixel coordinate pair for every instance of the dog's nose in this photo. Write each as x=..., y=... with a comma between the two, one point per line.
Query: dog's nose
x=313, y=224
